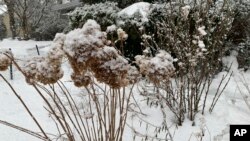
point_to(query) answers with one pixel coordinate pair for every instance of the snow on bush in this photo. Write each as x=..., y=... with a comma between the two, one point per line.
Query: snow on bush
x=185, y=11
x=5, y=61
x=141, y=8
x=104, y=13
x=111, y=29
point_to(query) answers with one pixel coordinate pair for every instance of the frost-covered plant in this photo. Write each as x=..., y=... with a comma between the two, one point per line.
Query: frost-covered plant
x=104, y=13
x=92, y=59
x=240, y=28
x=244, y=53
x=5, y=61
x=157, y=69
x=47, y=69
x=193, y=32
x=239, y=37
x=88, y=50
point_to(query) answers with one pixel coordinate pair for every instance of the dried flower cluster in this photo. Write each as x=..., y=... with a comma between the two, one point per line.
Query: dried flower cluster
x=122, y=35
x=88, y=50
x=46, y=70
x=5, y=61
x=89, y=54
x=157, y=68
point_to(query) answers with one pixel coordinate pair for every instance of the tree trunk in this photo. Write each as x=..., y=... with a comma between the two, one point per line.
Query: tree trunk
x=10, y=7
x=25, y=28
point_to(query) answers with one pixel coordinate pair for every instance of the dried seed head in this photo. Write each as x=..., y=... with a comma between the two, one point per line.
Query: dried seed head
x=40, y=69
x=56, y=53
x=122, y=35
x=157, y=68
x=48, y=73
x=5, y=61
x=81, y=80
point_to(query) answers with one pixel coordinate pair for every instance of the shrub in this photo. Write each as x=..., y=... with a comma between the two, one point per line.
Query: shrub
x=104, y=13
x=244, y=54
x=107, y=14
x=239, y=36
x=194, y=33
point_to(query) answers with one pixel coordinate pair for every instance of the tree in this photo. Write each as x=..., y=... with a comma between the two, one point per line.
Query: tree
x=2, y=29
x=10, y=7
x=29, y=13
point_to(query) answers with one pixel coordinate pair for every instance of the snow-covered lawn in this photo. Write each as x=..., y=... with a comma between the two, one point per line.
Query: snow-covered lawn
x=230, y=109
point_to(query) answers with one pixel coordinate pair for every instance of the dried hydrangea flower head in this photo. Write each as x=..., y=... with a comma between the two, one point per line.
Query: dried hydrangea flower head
x=5, y=61
x=46, y=69
x=40, y=69
x=88, y=50
x=30, y=69
x=81, y=80
x=80, y=43
x=109, y=67
x=48, y=72
x=157, y=68
x=56, y=53
x=122, y=35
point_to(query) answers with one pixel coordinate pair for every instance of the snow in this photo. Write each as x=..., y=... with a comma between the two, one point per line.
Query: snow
x=202, y=31
x=3, y=9
x=142, y=7
x=11, y=109
x=230, y=109
x=201, y=44
x=111, y=29
x=24, y=48
x=230, y=62
x=185, y=11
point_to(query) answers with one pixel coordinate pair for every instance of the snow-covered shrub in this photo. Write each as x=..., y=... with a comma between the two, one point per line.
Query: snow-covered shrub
x=104, y=13
x=5, y=59
x=131, y=19
x=239, y=36
x=244, y=54
x=180, y=28
x=194, y=33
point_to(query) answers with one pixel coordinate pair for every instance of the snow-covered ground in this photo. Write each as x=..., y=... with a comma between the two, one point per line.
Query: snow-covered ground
x=230, y=109
x=11, y=109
